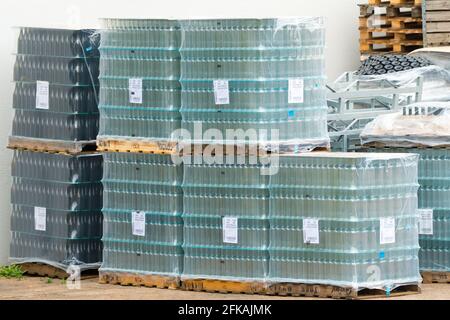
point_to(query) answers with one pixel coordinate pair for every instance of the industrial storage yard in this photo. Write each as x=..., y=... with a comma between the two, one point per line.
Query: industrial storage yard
x=212, y=158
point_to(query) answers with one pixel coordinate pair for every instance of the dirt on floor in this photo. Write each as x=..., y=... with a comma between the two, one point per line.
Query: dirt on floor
x=41, y=288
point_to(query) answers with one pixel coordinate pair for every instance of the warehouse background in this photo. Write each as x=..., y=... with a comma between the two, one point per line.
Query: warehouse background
x=342, y=43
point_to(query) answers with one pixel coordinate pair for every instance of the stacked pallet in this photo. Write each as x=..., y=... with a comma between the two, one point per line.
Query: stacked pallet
x=390, y=26
x=56, y=195
x=436, y=23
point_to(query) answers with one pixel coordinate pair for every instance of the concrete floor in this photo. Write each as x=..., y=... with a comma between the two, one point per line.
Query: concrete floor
x=38, y=288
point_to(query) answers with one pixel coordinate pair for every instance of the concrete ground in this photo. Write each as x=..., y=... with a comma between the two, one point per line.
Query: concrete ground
x=38, y=288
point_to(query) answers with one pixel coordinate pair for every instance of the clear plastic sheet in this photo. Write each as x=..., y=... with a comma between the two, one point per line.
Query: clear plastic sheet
x=56, y=209
x=436, y=81
x=425, y=124
x=56, y=84
x=256, y=57
x=434, y=196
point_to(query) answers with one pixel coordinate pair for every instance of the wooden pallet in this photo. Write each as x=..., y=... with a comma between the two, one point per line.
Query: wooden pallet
x=395, y=2
x=134, y=279
x=335, y=292
x=137, y=146
x=390, y=34
x=396, y=23
x=45, y=270
x=52, y=146
x=389, y=46
x=292, y=289
x=435, y=277
x=392, y=11
x=172, y=148
x=437, y=23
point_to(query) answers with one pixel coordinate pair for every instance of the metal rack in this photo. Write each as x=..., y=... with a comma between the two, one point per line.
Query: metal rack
x=354, y=102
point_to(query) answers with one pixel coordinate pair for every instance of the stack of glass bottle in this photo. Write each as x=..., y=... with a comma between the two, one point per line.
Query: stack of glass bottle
x=259, y=75
x=434, y=197
x=226, y=225
x=56, y=209
x=56, y=84
x=345, y=219
x=140, y=71
x=142, y=206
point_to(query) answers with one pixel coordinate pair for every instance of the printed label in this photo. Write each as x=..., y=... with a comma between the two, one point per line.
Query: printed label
x=135, y=89
x=221, y=92
x=42, y=93
x=311, y=231
x=40, y=218
x=426, y=221
x=230, y=230
x=387, y=230
x=296, y=91
x=138, y=223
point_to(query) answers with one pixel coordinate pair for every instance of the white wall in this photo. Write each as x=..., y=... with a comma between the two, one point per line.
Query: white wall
x=342, y=43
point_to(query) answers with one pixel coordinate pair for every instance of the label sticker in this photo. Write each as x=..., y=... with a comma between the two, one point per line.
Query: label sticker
x=135, y=89
x=387, y=230
x=291, y=113
x=230, y=230
x=296, y=91
x=311, y=231
x=426, y=221
x=138, y=223
x=221, y=92
x=40, y=218
x=42, y=93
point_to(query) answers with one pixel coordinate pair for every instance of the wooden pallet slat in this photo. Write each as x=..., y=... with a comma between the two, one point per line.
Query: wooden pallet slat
x=138, y=280
x=52, y=146
x=395, y=2
x=46, y=270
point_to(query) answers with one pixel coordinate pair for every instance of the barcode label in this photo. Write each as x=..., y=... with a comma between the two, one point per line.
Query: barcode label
x=135, y=89
x=387, y=230
x=311, y=231
x=42, y=93
x=296, y=91
x=40, y=218
x=138, y=223
x=426, y=221
x=221, y=92
x=230, y=230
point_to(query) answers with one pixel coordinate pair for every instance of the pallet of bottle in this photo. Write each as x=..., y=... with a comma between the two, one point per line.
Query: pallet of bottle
x=172, y=147
x=437, y=23
x=51, y=146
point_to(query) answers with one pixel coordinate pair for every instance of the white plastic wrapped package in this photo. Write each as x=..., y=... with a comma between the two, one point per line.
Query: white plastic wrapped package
x=436, y=81
x=398, y=130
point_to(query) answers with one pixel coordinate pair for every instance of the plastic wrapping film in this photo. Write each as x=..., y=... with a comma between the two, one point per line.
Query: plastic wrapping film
x=259, y=62
x=226, y=221
x=434, y=198
x=345, y=219
x=427, y=125
x=142, y=207
x=56, y=84
x=56, y=209
x=177, y=63
x=436, y=81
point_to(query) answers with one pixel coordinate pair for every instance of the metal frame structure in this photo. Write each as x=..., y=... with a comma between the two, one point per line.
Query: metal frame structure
x=353, y=102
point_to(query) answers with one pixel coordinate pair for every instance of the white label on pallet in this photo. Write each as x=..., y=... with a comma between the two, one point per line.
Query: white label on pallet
x=296, y=91
x=138, y=223
x=387, y=230
x=42, y=93
x=221, y=92
x=135, y=90
x=40, y=218
x=426, y=221
x=230, y=230
x=311, y=231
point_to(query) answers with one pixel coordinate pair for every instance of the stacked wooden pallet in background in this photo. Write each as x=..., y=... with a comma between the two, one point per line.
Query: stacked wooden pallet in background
x=390, y=26
x=436, y=23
